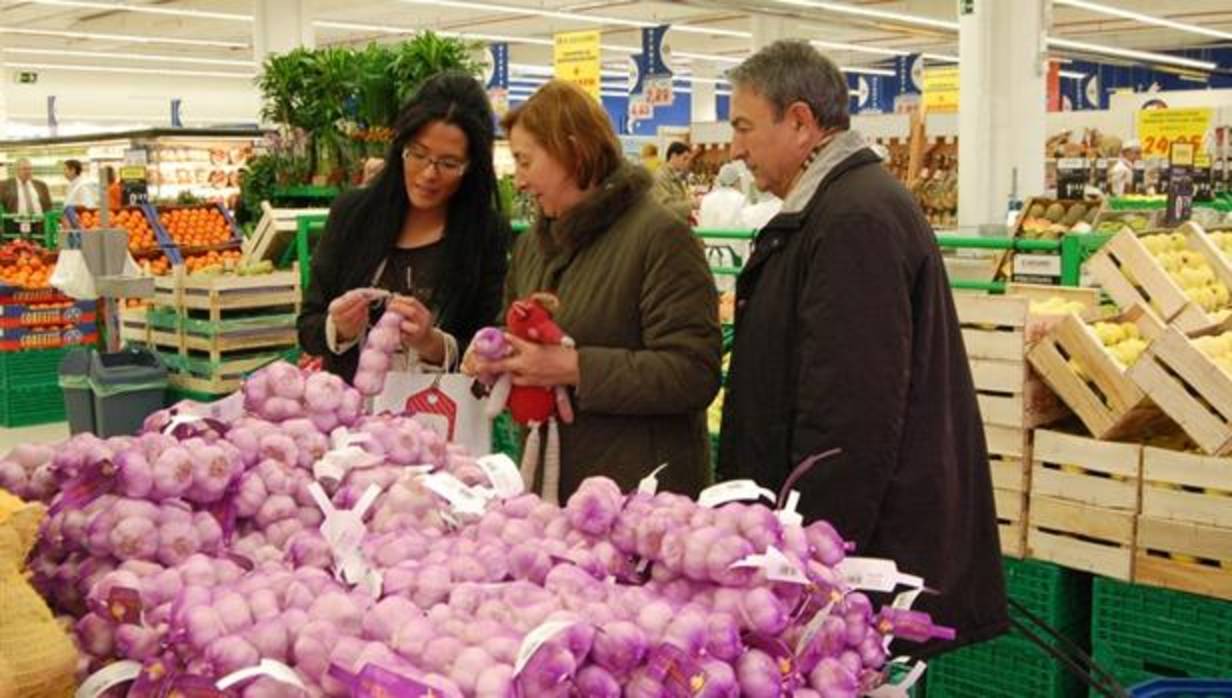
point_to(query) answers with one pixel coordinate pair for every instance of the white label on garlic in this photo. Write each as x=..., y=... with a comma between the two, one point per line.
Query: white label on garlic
x=536, y=639
x=344, y=529
x=108, y=677
x=733, y=491
x=503, y=473
x=178, y=419
x=650, y=483
x=788, y=516
x=875, y=574
x=268, y=667
x=777, y=566
x=460, y=497
x=228, y=409
x=337, y=463
x=341, y=437
x=906, y=600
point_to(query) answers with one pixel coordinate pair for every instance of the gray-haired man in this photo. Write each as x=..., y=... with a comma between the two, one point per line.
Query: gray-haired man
x=846, y=338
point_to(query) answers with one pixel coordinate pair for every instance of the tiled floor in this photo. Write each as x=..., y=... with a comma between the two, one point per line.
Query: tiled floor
x=40, y=434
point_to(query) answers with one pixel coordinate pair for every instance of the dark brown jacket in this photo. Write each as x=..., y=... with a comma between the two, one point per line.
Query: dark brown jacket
x=638, y=298
x=8, y=194
x=846, y=337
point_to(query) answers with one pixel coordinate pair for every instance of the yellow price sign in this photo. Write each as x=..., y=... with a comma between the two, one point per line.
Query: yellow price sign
x=1158, y=129
x=575, y=57
x=941, y=89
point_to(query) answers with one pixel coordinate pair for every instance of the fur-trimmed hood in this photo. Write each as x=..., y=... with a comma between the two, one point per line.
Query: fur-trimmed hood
x=596, y=213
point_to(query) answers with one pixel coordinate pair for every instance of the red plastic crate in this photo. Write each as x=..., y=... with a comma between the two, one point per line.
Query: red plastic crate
x=20, y=338
x=55, y=313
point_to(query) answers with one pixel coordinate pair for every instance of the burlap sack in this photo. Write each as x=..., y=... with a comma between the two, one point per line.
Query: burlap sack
x=37, y=660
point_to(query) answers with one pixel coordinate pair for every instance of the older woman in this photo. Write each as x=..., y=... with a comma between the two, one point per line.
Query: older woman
x=635, y=295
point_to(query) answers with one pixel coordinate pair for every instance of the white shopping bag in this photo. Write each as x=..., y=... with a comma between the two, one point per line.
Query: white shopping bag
x=442, y=401
x=72, y=276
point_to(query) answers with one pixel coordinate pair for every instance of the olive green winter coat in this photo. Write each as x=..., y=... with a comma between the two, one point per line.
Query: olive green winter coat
x=637, y=297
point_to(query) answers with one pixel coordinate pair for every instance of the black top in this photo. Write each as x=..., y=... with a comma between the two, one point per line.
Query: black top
x=415, y=271
x=340, y=263
x=846, y=337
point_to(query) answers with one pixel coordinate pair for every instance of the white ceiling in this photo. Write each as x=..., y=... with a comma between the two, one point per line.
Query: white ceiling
x=386, y=16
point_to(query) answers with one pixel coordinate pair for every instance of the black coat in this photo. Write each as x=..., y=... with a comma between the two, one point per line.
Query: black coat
x=846, y=337
x=341, y=262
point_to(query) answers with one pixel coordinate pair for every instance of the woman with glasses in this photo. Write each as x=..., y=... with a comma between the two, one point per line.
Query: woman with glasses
x=636, y=296
x=428, y=228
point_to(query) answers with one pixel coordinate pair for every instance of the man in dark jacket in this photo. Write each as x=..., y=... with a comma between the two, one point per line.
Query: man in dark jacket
x=846, y=337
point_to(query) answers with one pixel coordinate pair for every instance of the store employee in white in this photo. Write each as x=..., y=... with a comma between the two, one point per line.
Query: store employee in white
x=1121, y=173
x=81, y=191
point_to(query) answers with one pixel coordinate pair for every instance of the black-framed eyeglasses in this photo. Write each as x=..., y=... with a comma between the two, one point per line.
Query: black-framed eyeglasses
x=419, y=160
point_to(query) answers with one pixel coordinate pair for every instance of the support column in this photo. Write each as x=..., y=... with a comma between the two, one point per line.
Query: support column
x=1002, y=91
x=5, y=81
x=701, y=100
x=767, y=29
x=280, y=26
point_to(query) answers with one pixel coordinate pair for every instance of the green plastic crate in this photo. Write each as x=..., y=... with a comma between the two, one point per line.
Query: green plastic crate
x=1060, y=597
x=1122, y=669
x=33, y=367
x=29, y=405
x=507, y=437
x=1163, y=632
x=1001, y=668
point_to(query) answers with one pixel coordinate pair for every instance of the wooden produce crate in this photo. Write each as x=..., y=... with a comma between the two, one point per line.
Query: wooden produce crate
x=997, y=332
x=1190, y=388
x=1084, y=503
x=1132, y=276
x=1011, y=521
x=216, y=294
x=1185, y=529
x=214, y=330
x=1109, y=404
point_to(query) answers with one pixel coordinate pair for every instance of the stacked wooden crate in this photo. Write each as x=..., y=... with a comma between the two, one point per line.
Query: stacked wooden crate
x=1084, y=502
x=213, y=330
x=1135, y=510
x=997, y=332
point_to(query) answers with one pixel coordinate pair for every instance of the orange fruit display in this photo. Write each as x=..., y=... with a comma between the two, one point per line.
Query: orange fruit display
x=25, y=265
x=196, y=227
x=223, y=260
x=140, y=234
x=156, y=266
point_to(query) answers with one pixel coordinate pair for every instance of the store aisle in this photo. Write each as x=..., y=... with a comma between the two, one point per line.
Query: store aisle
x=39, y=434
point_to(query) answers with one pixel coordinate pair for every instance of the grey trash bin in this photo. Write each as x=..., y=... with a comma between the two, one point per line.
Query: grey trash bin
x=128, y=386
x=75, y=384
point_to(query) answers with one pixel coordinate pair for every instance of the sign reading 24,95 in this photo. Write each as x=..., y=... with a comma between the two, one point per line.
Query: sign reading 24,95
x=1158, y=129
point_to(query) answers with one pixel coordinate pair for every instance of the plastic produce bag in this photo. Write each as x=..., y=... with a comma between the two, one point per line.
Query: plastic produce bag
x=37, y=660
x=72, y=276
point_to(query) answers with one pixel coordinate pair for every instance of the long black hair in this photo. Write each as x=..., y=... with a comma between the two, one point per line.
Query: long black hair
x=473, y=218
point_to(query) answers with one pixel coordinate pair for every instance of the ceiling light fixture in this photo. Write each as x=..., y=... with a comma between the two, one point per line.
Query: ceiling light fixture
x=386, y=29
x=147, y=9
x=858, y=70
x=1142, y=56
x=1143, y=18
x=578, y=17
x=134, y=71
x=867, y=13
x=128, y=56
x=123, y=37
